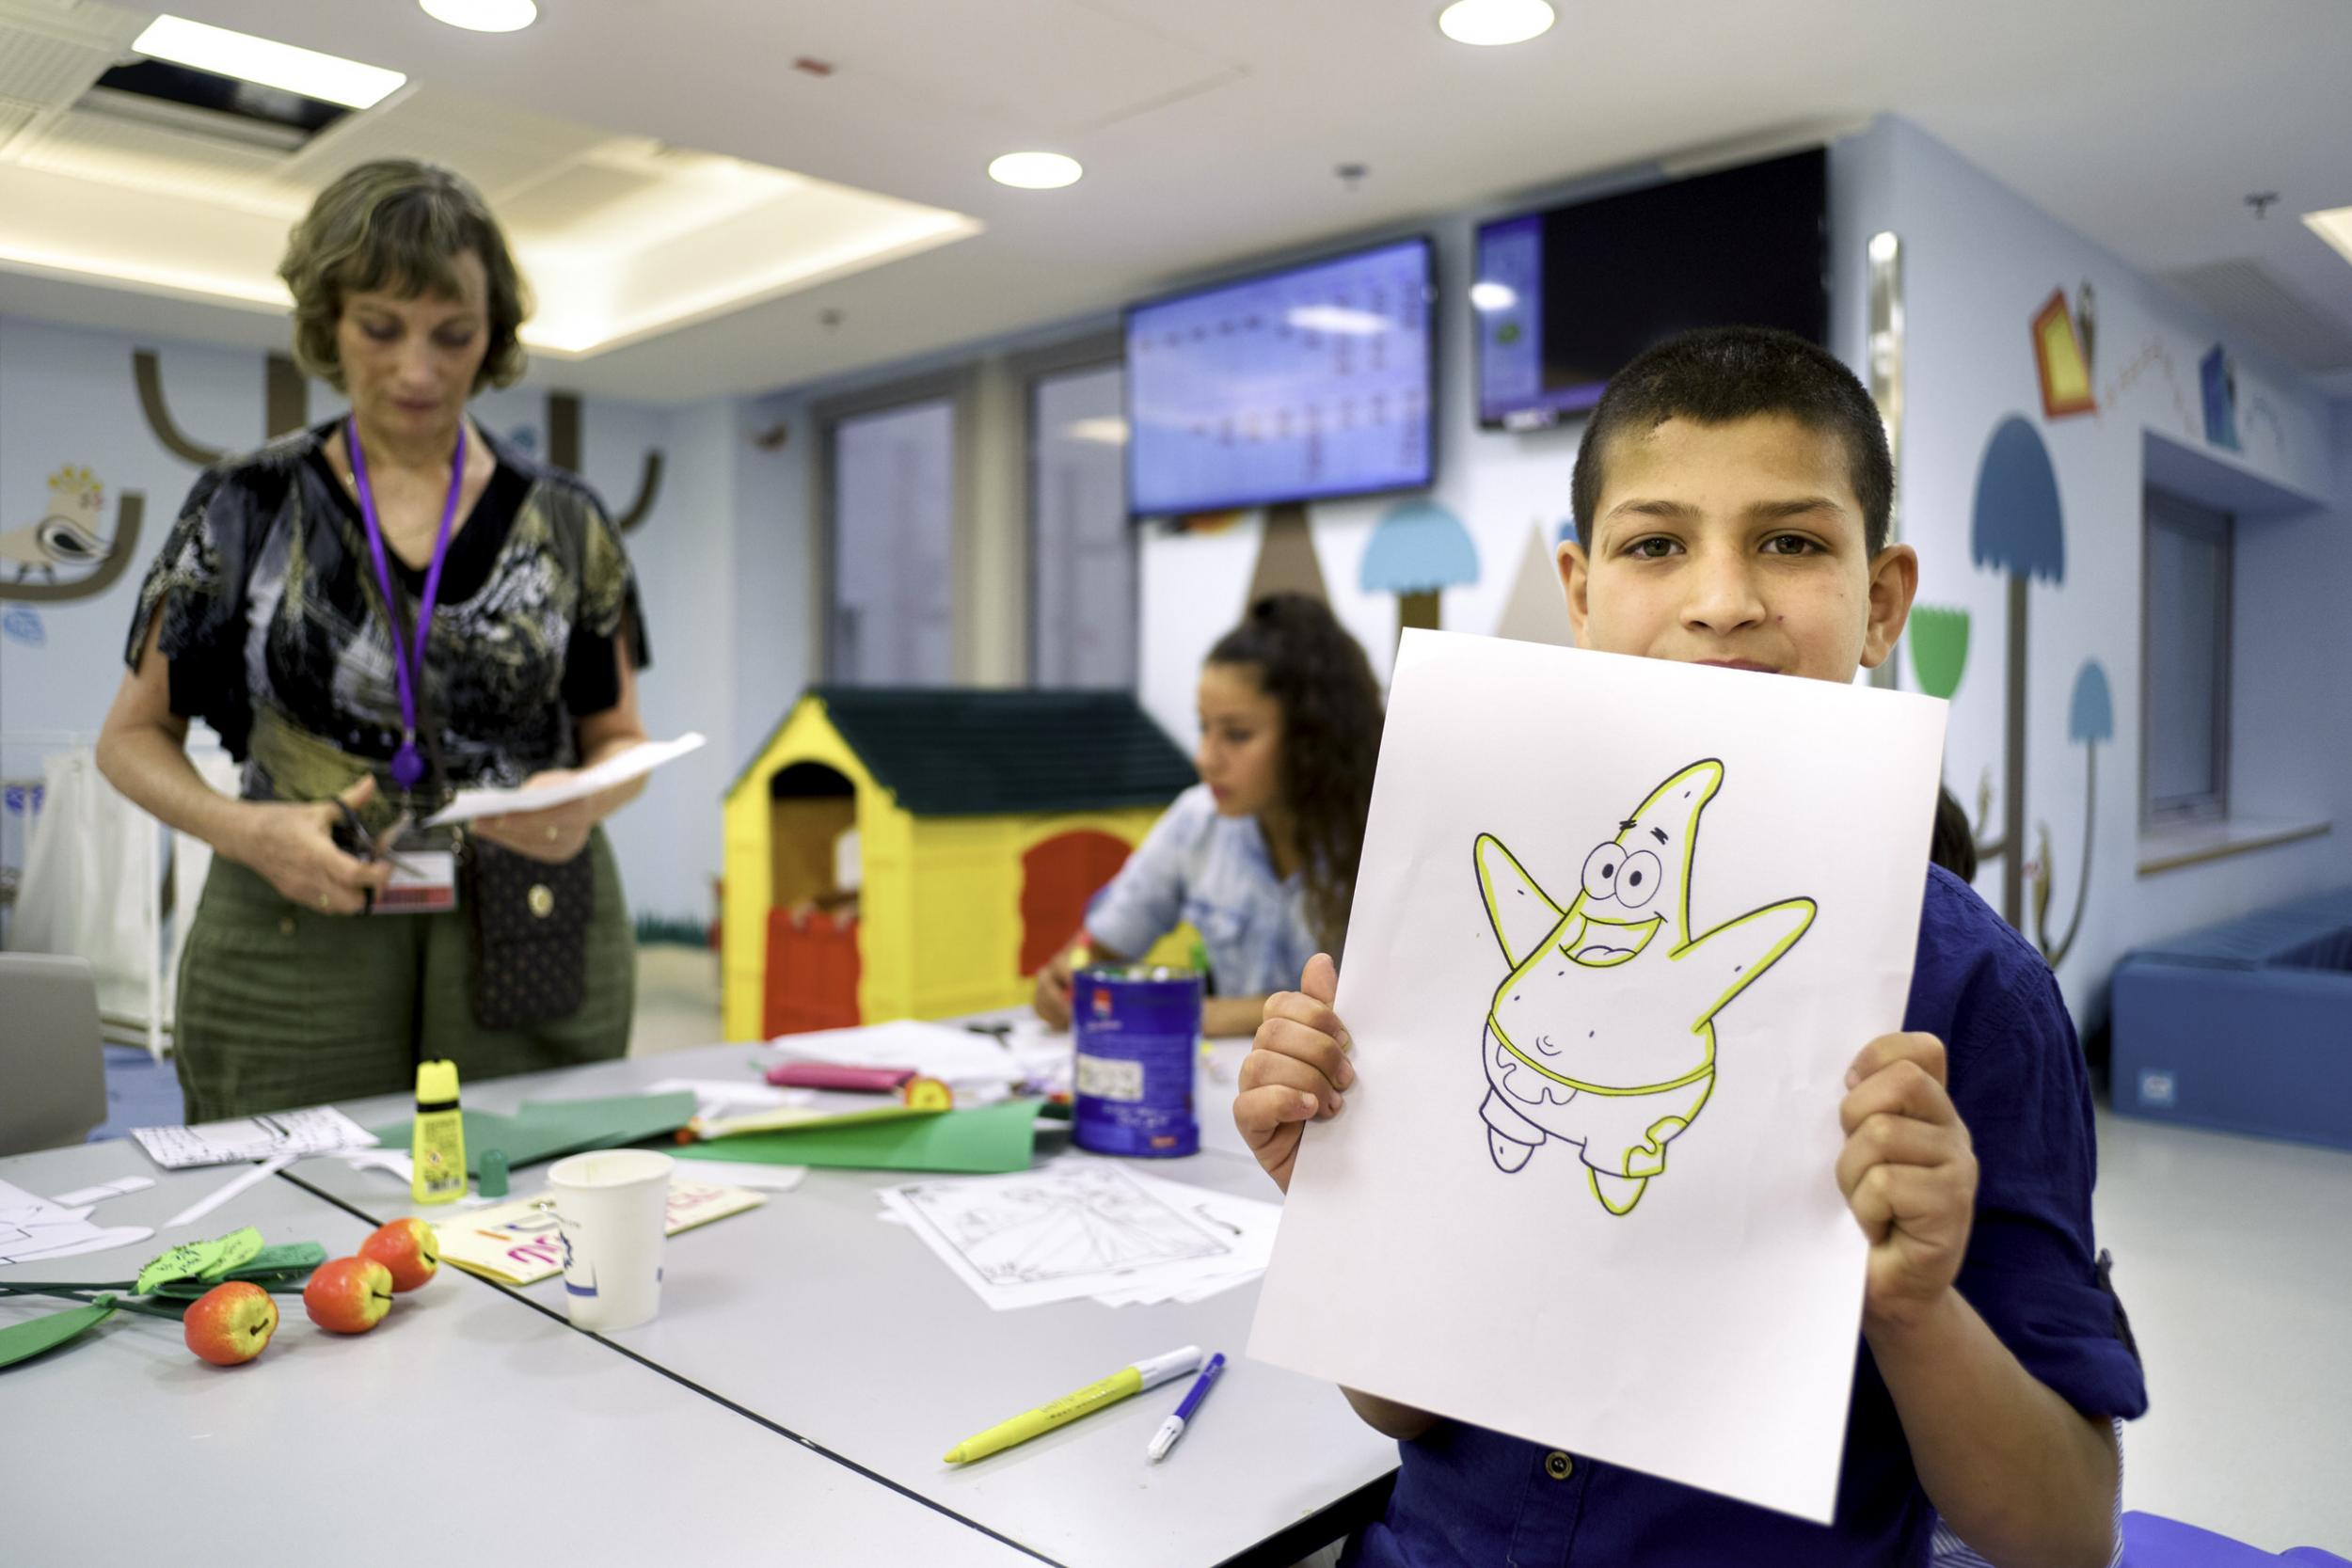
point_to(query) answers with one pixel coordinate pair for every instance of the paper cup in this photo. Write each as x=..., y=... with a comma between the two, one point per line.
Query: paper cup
x=613, y=1206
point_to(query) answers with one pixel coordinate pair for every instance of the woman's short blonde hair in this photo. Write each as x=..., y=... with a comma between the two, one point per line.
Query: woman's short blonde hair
x=400, y=225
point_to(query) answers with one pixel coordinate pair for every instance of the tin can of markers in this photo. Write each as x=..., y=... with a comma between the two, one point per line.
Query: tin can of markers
x=1137, y=1031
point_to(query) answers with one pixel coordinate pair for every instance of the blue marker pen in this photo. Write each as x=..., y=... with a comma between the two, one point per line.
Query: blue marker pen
x=1174, y=1426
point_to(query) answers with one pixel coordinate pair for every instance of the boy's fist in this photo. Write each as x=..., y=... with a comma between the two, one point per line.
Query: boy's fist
x=1295, y=1072
x=1909, y=1173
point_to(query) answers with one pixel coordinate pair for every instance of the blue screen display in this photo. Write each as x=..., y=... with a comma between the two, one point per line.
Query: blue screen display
x=1311, y=382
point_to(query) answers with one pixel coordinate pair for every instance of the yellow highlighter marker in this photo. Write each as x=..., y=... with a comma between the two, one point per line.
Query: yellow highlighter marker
x=1084, y=1401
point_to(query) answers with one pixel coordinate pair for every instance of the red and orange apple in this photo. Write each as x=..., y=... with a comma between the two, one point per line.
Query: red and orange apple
x=348, y=1295
x=228, y=1325
x=407, y=1248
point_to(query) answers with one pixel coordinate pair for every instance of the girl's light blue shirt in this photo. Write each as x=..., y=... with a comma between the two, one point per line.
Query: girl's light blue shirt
x=1213, y=871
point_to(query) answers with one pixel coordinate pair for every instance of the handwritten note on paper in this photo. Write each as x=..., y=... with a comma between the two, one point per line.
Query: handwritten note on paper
x=521, y=1243
x=320, y=1129
x=1599, y=1056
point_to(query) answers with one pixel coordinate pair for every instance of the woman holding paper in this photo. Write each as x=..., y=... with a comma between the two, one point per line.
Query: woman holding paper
x=374, y=614
x=1260, y=856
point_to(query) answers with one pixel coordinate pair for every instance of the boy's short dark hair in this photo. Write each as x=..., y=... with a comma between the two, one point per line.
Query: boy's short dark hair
x=1720, y=374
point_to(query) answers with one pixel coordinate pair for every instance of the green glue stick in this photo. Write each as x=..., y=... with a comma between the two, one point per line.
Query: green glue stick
x=437, y=1139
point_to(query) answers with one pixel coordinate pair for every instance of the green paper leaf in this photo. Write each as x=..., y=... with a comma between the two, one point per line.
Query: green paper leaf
x=284, y=1269
x=24, y=1340
x=200, y=1259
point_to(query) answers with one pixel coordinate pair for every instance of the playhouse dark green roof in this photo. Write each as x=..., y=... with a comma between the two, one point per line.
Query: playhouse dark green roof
x=965, y=752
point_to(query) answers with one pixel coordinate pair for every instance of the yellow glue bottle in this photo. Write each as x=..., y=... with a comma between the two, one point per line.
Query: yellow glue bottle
x=437, y=1139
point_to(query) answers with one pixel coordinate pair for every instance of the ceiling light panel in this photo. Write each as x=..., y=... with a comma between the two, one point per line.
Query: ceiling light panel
x=273, y=64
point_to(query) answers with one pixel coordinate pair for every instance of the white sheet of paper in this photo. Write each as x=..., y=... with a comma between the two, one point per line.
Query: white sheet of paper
x=322, y=1130
x=952, y=1055
x=104, y=1191
x=1081, y=1227
x=394, y=1160
x=1708, y=1333
x=32, y=1227
x=229, y=1189
x=744, y=1173
x=642, y=759
x=731, y=1096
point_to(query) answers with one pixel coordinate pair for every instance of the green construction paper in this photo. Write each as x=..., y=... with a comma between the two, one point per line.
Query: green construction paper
x=986, y=1138
x=542, y=1129
x=206, y=1260
x=24, y=1340
x=284, y=1269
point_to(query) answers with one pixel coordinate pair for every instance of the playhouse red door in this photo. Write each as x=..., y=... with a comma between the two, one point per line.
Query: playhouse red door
x=811, y=974
x=1058, y=877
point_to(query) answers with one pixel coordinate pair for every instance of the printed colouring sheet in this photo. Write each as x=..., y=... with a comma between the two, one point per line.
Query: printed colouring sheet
x=1620, y=928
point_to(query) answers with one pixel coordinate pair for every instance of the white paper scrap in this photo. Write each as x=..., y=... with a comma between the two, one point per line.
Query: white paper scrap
x=33, y=1228
x=639, y=760
x=104, y=1191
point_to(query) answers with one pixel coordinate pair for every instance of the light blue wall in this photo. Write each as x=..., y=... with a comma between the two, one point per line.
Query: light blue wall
x=1979, y=261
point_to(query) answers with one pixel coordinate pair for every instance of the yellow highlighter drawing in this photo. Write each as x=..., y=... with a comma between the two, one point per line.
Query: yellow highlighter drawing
x=1144, y=1374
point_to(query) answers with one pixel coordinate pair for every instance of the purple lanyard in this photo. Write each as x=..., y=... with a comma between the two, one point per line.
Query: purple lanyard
x=407, y=663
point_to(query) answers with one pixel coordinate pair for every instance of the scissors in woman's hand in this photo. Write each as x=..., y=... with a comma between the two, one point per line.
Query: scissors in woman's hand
x=352, y=838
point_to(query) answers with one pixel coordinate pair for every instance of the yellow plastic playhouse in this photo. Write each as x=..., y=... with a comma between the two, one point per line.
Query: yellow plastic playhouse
x=983, y=821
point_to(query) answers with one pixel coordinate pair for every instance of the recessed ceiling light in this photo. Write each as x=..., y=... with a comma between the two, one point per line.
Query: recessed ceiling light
x=1035, y=171
x=270, y=63
x=2335, y=227
x=483, y=16
x=1495, y=22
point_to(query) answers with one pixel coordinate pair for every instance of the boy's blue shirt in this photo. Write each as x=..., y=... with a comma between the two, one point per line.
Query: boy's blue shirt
x=1466, y=1495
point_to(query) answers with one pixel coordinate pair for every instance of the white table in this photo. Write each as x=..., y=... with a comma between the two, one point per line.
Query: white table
x=468, y=1427
x=816, y=1318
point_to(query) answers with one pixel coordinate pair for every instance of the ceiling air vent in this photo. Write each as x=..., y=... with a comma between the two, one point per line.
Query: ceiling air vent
x=225, y=108
x=2244, y=295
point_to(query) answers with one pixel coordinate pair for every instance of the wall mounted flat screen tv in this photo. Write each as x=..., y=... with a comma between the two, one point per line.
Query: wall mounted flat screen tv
x=1565, y=298
x=1311, y=382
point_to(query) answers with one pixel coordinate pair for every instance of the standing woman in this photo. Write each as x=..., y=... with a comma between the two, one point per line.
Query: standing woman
x=374, y=614
x=1260, y=856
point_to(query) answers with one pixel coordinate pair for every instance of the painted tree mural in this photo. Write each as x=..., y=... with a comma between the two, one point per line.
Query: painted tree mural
x=1286, y=556
x=2018, y=529
x=1939, y=648
x=1417, y=552
x=2090, y=720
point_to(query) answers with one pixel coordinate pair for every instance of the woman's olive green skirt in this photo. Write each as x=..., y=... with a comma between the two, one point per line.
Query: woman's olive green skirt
x=282, y=1007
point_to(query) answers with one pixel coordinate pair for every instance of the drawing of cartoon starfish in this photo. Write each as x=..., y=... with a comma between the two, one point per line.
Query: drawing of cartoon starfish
x=1602, y=1035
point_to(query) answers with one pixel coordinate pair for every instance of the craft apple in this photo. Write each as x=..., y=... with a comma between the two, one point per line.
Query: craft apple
x=406, y=1247
x=348, y=1295
x=228, y=1325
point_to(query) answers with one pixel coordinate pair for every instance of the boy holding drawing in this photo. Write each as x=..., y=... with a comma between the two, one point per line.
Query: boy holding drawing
x=1732, y=497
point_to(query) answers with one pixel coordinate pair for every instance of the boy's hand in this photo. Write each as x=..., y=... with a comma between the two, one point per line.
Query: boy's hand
x=1909, y=1173
x=1296, y=1067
